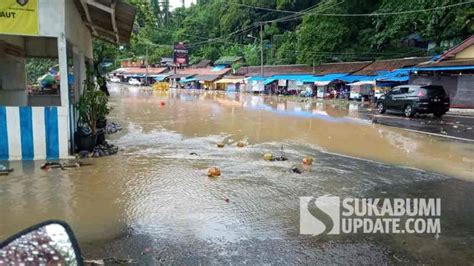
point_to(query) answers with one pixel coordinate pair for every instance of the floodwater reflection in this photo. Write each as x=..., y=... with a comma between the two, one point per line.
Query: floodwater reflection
x=156, y=186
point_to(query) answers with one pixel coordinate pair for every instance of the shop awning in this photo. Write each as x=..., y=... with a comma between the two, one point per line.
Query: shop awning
x=256, y=79
x=159, y=77
x=361, y=83
x=325, y=80
x=111, y=20
x=209, y=78
x=269, y=80
x=322, y=83
x=186, y=80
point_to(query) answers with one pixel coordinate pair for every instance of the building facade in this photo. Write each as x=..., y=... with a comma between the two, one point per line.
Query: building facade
x=38, y=124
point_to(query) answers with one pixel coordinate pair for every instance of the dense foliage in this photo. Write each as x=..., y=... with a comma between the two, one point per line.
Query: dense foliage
x=318, y=33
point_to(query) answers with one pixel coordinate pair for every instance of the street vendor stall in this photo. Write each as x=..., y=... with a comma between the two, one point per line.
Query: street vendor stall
x=229, y=84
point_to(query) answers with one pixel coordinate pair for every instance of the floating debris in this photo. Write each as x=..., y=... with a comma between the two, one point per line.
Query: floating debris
x=63, y=166
x=240, y=144
x=282, y=156
x=193, y=153
x=226, y=199
x=104, y=150
x=213, y=172
x=220, y=145
x=268, y=157
x=109, y=261
x=308, y=160
x=162, y=103
x=112, y=128
x=296, y=170
x=51, y=165
x=4, y=170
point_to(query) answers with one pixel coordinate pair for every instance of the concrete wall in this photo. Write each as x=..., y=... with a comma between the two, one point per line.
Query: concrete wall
x=459, y=88
x=51, y=17
x=77, y=33
x=42, y=132
x=12, y=80
x=33, y=133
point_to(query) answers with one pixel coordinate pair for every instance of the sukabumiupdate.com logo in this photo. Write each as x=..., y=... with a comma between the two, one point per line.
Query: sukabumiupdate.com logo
x=333, y=216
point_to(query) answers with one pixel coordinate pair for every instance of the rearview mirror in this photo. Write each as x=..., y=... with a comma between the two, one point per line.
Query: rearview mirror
x=47, y=243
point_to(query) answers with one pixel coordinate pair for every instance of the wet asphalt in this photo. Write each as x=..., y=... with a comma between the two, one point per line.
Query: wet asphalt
x=450, y=126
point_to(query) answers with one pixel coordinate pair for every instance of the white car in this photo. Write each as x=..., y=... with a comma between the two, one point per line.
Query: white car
x=134, y=82
x=115, y=79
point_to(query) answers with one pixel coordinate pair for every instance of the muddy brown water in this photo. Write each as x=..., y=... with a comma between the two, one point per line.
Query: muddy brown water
x=154, y=203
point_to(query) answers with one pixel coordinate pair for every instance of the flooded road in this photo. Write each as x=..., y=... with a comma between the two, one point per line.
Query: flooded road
x=154, y=203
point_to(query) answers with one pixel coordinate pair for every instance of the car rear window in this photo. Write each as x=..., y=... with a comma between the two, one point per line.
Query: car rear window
x=434, y=90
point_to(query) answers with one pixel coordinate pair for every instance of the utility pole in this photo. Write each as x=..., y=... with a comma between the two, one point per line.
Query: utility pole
x=146, y=65
x=261, y=49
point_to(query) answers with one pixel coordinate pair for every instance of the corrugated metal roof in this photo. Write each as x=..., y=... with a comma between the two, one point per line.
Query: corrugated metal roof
x=390, y=65
x=206, y=77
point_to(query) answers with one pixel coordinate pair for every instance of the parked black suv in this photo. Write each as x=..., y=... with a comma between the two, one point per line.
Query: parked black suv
x=412, y=99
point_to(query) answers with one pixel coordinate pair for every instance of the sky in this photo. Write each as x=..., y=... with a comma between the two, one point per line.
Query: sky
x=179, y=3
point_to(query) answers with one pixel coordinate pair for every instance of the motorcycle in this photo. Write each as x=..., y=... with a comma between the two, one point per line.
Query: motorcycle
x=48, y=243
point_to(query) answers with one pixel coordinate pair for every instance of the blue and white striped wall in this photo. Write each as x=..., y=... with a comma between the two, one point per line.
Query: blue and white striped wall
x=33, y=133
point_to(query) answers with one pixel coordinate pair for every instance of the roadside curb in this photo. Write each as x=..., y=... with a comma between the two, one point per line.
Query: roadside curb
x=461, y=112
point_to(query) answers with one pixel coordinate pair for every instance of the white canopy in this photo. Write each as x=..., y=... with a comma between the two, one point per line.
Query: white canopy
x=230, y=81
x=361, y=83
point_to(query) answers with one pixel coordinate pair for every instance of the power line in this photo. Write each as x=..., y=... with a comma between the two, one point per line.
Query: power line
x=256, y=24
x=263, y=8
x=356, y=15
x=398, y=12
x=321, y=6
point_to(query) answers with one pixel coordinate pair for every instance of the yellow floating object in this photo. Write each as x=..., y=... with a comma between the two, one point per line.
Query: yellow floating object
x=220, y=145
x=213, y=172
x=240, y=144
x=268, y=156
x=308, y=160
x=162, y=86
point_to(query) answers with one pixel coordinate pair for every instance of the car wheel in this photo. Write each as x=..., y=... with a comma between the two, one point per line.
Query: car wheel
x=409, y=111
x=438, y=114
x=381, y=108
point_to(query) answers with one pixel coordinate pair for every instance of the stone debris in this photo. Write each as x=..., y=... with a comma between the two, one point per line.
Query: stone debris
x=112, y=128
x=104, y=150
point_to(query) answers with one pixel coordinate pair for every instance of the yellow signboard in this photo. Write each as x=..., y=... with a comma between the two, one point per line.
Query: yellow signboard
x=19, y=17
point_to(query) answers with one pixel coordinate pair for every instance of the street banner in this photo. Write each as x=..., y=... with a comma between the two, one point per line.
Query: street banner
x=19, y=17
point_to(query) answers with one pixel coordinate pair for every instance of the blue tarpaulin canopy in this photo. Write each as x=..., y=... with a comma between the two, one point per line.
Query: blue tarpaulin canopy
x=218, y=68
x=442, y=68
x=398, y=75
x=188, y=79
x=159, y=77
x=326, y=78
x=304, y=78
x=354, y=78
x=256, y=79
x=135, y=76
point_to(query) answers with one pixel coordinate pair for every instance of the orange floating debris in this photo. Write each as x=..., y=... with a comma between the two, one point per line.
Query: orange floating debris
x=213, y=172
x=308, y=160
